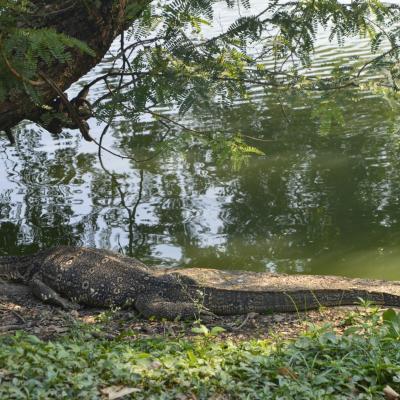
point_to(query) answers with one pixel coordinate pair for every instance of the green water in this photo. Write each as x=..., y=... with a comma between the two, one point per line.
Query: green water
x=317, y=202
x=325, y=198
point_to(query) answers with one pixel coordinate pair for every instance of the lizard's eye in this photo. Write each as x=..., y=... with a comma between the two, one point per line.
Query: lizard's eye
x=85, y=285
x=69, y=262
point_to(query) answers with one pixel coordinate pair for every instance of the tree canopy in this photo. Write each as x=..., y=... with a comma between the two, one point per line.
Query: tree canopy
x=165, y=55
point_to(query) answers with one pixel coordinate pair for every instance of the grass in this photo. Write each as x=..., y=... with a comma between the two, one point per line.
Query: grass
x=319, y=364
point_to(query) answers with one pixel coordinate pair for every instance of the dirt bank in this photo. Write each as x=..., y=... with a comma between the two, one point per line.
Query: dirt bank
x=19, y=310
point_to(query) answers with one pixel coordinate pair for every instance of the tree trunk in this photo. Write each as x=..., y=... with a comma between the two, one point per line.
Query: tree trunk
x=95, y=23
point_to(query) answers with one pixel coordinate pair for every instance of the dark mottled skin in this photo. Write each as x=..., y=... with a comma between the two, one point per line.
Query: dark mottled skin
x=67, y=276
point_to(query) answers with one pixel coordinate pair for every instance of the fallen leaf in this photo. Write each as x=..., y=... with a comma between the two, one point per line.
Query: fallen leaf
x=279, y=318
x=4, y=372
x=116, y=392
x=190, y=396
x=287, y=372
x=390, y=394
x=58, y=329
x=155, y=364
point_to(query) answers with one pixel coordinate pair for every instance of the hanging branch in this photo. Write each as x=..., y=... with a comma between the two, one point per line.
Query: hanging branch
x=72, y=111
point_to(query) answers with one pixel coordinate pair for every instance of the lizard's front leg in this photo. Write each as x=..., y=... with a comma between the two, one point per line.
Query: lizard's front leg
x=48, y=295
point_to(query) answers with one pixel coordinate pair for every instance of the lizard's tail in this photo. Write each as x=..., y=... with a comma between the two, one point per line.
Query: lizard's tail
x=10, y=267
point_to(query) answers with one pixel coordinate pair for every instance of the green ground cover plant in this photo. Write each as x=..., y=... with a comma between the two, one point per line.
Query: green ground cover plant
x=321, y=363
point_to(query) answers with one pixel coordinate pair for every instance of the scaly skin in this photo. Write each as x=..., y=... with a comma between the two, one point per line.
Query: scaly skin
x=67, y=276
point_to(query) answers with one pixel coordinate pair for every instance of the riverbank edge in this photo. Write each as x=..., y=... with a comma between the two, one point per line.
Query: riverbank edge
x=20, y=310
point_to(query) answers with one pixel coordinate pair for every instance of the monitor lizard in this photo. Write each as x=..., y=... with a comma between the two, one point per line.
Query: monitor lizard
x=71, y=276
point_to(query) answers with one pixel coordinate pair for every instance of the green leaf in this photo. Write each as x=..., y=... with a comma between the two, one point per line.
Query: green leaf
x=201, y=329
x=390, y=316
x=216, y=330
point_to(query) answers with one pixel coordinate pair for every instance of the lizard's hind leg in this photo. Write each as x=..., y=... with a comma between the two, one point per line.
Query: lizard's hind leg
x=161, y=308
x=48, y=295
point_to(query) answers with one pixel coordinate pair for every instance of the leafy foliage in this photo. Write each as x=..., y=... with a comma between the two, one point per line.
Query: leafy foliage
x=168, y=59
x=233, y=149
x=319, y=364
x=166, y=56
x=25, y=49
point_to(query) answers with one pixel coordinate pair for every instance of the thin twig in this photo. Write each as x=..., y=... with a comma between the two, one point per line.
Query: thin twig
x=19, y=316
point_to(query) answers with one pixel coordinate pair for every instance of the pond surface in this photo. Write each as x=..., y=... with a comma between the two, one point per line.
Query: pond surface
x=324, y=199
